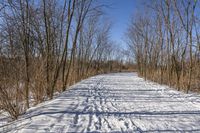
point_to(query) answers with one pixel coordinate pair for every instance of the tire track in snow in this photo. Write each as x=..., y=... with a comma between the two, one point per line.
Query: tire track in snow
x=92, y=105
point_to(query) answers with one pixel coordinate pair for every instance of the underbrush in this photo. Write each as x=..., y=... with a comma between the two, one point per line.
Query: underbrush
x=162, y=77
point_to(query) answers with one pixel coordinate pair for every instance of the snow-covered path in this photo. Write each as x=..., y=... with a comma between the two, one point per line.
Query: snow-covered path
x=120, y=102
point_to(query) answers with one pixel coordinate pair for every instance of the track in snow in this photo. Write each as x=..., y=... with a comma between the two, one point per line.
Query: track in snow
x=120, y=102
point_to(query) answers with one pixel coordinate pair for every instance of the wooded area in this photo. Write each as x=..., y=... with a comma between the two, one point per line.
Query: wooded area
x=165, y=42
x=48, y=45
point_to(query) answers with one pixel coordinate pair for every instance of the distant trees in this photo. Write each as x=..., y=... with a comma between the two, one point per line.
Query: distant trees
x=47, y=45
x=165, y=43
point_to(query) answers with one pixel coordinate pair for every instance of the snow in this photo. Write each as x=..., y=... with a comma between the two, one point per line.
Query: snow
x=117, y=102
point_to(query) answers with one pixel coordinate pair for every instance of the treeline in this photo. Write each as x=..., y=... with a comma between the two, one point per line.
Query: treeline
x=47, y=45
x=165, y=41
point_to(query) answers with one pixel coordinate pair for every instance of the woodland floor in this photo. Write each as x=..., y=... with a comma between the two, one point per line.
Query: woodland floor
x=117, y=102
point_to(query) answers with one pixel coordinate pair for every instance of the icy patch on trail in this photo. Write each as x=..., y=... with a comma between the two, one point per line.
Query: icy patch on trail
x=117, y=102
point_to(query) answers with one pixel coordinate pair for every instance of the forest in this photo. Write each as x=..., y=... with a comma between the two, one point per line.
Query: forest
x=165, y=43
x=48, y=45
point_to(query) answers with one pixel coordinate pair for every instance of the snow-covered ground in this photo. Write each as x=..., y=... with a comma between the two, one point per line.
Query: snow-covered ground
x=119, y=102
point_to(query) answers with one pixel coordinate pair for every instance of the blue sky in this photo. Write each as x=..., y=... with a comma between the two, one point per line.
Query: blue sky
x=120, y=13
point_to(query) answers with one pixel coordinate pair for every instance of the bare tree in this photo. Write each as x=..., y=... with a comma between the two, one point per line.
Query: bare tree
x=167, y=45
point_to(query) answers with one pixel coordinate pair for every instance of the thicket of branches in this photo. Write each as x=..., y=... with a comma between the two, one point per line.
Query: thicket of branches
x=47, y=45
x=165, y=41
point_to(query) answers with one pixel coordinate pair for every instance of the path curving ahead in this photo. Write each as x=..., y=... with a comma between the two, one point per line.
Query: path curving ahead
x=119, y=102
